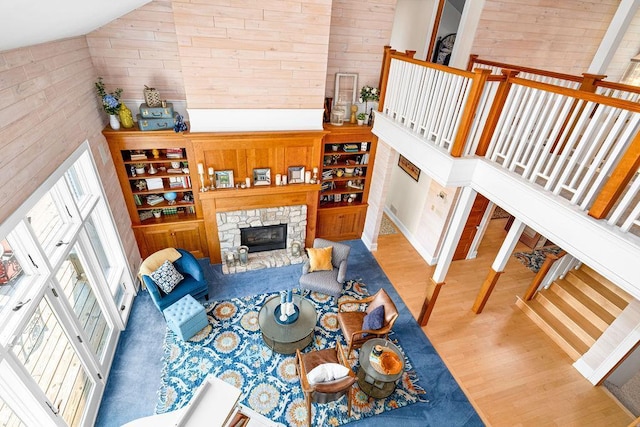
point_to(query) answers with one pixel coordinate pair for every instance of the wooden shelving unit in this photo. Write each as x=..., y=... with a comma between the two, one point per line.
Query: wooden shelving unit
x=347, y=166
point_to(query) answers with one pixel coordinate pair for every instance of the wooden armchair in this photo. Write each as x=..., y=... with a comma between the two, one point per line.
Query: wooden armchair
x=351, y=322
x=328, y=391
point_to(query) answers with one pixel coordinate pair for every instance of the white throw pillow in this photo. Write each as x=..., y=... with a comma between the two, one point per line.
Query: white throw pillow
x=167, y=277
x=327, y=372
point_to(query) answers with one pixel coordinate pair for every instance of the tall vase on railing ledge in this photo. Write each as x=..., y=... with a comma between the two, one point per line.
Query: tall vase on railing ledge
x=114, y=122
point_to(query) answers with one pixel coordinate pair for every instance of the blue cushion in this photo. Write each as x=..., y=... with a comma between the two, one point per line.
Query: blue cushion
x=374, y=320
x=167, y=277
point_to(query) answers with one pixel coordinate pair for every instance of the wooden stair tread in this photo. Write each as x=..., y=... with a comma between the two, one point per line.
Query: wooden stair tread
x=581, y=302
x=607, y=283
x=566, y=314
x=602, y=295
x=556, y=330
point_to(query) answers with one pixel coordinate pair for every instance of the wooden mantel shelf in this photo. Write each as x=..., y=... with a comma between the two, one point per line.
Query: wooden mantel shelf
x=258, y=190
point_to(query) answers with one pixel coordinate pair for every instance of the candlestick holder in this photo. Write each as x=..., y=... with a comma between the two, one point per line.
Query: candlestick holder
x=212, y=181
x=202, y=187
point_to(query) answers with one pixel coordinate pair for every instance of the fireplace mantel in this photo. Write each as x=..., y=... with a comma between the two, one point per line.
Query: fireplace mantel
x=257, y=197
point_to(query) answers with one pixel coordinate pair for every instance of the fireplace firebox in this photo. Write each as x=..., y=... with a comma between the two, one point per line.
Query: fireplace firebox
x=264, y=238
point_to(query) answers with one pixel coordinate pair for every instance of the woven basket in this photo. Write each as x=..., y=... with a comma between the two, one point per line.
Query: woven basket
x=152, y=97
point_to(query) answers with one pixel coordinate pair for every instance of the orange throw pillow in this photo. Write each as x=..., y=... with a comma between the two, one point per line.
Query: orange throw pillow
x=320, y=259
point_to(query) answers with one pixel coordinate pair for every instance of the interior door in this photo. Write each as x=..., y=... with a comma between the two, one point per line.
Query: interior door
x=471, y=227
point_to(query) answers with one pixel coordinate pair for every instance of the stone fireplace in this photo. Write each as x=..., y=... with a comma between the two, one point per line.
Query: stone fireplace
x=288, y=223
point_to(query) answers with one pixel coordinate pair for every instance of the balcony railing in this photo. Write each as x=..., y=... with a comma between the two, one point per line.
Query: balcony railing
x=576, y=137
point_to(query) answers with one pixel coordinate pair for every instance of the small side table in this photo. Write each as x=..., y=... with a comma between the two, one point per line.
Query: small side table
x=372, y=382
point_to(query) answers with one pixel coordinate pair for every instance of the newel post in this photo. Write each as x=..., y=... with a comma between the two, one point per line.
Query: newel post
x=495, y=112
x=470, y=109
x=617, y=182
x=472, y=60
x=384, y=74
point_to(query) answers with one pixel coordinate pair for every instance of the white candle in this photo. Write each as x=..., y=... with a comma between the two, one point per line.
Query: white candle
x=278, y=179
x=315, y=171
x=284, y=180
x=200, y=168
x=210, y=171
x=247, y=182
x=307, y=177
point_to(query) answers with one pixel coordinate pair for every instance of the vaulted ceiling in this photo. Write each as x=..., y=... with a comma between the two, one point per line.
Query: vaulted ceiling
x=28, y=22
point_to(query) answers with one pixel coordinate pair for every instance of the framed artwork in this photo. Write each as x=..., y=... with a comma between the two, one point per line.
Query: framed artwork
x=346, y=90
x=296, y=174
x=262, y=176
x=224, y=179
x=412, y=170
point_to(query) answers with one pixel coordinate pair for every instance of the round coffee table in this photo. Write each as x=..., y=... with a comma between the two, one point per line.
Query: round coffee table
x=372, y=382
x=286, y=339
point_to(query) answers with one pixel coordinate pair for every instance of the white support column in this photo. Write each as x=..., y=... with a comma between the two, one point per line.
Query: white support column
x=612, y=38
x=508, y=245
x=460, y=215
x=458, y=221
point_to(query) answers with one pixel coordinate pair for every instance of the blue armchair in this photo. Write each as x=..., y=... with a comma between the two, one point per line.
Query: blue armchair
x=194, y=282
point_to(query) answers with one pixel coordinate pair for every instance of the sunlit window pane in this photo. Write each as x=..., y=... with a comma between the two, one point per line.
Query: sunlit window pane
x=46, y=353
x=7, y=417
x=11, y=276
x=75, y=183
x=98, y=246
x=79, y=291
x=46, y=221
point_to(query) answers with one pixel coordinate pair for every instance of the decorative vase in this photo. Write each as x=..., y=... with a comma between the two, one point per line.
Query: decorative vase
x=360, y=122
x=114, y=122
x=126, y=118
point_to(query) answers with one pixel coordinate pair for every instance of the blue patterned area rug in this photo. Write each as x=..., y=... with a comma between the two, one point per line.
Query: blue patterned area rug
x=534, y=260
x=231, y=348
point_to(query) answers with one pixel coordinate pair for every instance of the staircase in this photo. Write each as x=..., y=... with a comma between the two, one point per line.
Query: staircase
x=575, y=311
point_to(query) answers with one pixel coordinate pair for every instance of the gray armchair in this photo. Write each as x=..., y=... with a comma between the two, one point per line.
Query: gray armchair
x=328, y=282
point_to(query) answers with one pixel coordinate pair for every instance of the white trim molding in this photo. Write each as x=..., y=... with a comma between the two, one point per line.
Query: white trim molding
x=247, y=120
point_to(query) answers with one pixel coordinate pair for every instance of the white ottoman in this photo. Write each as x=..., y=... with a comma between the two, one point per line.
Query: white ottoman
x=185, y=317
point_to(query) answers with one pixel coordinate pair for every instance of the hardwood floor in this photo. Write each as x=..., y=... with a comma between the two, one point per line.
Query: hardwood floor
x=512, y=373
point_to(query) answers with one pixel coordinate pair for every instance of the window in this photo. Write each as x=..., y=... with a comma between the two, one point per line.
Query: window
x=64, y=292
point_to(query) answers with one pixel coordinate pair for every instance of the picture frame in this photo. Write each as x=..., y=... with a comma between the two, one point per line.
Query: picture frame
x=296, y=174
x=412, y=170
x=224, y=179
x=262, y=176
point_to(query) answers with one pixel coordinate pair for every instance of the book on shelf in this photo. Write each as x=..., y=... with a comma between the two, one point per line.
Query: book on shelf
x=350, y=148
x=174, y=153
x=154, y=199
x=137, y=200
x=138, y=154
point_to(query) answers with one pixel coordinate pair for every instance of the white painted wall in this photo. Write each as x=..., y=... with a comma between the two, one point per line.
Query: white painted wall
x=412, y=26
x=406, y=197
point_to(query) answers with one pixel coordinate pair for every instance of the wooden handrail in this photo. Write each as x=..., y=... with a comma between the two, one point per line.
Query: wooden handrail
x=617, y=182
x=470, y=108
x=384, y=74
x=540, y=275
x=618, y=86
x=522, y=69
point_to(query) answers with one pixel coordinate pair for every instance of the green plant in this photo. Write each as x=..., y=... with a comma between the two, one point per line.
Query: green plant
x=110, y=100
x=368, y=93
x=362, y=116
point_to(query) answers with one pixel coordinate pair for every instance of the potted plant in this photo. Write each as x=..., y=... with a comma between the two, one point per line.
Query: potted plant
x=157, y=213
x=110, y=103
x=361, y=117
x=139, y=168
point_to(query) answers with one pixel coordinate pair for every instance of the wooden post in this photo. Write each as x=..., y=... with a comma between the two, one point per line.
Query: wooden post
x=617, y=182
x=495, y=112
x=429, y=302
x=472, y=61
x=544, y=269
x=485, y=290
x=470, y=109
x=384, y=74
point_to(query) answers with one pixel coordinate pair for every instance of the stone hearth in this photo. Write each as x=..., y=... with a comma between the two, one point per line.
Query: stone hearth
x=230, y=223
